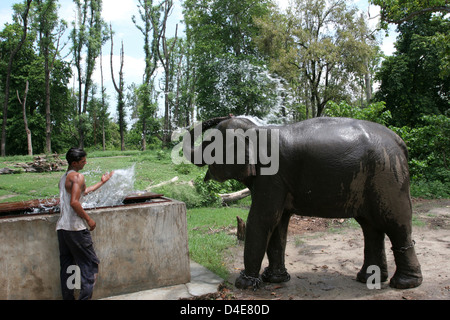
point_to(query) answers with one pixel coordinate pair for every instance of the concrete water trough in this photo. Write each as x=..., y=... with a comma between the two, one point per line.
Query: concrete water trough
x=141, y=245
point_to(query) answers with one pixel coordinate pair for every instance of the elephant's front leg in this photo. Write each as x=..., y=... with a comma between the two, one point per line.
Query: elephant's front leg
x=276, y=272
x=264, y=216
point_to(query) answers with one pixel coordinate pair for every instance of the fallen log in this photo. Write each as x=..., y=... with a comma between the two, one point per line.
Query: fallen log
x=230, y=197
x=174, y=179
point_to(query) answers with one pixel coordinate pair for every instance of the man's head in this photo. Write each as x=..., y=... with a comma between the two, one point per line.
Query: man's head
x=75, y=155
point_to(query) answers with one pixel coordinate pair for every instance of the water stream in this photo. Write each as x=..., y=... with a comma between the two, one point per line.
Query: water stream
x=114, y=191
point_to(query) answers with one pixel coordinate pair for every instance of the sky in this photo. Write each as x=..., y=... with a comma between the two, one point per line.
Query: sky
x=119, y=13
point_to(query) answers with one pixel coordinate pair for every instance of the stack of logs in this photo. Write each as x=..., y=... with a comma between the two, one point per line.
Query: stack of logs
x=39, y=164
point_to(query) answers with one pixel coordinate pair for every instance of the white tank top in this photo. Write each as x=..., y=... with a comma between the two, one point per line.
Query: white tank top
x=68, y=220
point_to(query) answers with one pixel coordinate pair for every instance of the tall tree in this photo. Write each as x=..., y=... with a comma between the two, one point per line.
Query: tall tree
x=151, y=30
x=322, y=48
x=89, y=33
x=21, y=17
x=104, y=107
x=181, y=85
x=224, y=55
x=165, y=53
x=120, y=91
x=411, y=82
x=46, y=21
x=397, y=11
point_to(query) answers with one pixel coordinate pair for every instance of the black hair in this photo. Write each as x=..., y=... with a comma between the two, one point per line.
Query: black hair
x=75, y=154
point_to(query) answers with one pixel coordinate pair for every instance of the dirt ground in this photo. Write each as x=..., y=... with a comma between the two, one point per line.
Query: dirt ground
x=323, y=257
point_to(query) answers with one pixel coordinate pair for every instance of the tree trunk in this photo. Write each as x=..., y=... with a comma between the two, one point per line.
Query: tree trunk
x=102, y=113
x=144, y=130
x=240, y=233
x=368, y=83
x=25, y=120
x=103, y=136
x=8, y=76
x=119, y=89
x=165, y=59
x=48, y=120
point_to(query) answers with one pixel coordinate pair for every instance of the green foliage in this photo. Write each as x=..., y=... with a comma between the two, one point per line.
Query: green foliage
x=211, y=189
x=412, y=81
x=397, y=11
x=415, y=84
x=375, y=112
x=224, y=53
x=236, y=85
x=428, y=146
x=183, y=168
x=430, y=189
x=323, y=49
x=183, y=192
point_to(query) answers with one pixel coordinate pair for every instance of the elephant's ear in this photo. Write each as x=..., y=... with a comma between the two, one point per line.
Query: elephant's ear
x=243, y=147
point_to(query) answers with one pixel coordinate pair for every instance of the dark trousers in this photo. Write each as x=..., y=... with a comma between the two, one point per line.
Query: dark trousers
x=76, y=248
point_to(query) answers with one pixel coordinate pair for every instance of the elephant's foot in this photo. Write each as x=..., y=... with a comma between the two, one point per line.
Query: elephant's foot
x=275, y=276
x=408, y=273
x=247, y=282
x=405, y=281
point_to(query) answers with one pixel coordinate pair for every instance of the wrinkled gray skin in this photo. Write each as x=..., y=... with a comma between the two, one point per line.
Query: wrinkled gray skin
x=330, y=168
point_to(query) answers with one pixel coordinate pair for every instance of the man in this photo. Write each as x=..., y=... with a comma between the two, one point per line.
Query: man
x=74, y=226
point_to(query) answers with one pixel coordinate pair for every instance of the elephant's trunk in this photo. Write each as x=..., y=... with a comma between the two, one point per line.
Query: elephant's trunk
x=195, y=154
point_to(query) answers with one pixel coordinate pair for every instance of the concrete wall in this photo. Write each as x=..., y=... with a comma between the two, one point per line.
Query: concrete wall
x=139, y=246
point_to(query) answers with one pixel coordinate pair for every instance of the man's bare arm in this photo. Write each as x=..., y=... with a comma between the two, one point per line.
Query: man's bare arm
x=105, y=178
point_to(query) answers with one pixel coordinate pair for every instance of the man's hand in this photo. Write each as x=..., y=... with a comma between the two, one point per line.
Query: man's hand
x=91, y=223
x=103, y=180
x=107, y=176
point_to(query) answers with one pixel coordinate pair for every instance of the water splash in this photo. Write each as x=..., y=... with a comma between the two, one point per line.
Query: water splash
x=268, y=93
x=114, y=191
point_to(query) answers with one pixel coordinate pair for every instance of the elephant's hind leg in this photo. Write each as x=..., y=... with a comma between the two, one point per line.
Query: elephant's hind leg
x=408, y=273
x=374, y=252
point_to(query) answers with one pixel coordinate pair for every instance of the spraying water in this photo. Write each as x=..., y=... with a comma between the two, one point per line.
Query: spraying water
x=114, y=191
x=263, y=93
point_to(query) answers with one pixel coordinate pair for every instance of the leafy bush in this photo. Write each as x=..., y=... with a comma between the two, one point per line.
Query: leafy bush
x=211, y=189
x=428, y=147
x=183, y=168
x=184, y=193
x=374, y=112
x=430, y=189
x=203, y=194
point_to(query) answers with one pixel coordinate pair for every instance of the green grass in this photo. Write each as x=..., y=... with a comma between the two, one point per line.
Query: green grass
x=209, y=237
x=151, y=168
x=27, y=186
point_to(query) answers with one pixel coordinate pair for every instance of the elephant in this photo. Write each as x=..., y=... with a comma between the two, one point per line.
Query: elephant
x=326, y=167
